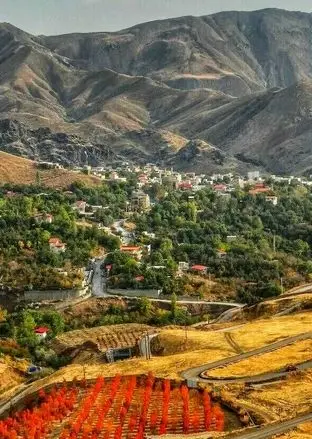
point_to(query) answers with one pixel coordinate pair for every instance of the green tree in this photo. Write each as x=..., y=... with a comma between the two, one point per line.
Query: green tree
x=25, y=333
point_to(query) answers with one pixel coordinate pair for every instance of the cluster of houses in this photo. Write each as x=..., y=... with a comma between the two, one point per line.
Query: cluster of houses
x=222, y=184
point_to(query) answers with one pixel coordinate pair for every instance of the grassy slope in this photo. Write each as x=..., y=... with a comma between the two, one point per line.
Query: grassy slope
x=18, y=170
x=292, y=354
x=201, y=346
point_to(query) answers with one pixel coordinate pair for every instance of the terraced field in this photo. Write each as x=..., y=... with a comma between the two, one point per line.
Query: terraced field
x=105, y=337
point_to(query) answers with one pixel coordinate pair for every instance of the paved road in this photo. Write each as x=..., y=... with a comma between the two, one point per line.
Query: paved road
x=268, y=377
x=196, y=372
x=272, y=430
x=126, y=236
x=200, y=302
x=304, y=289
x=98, y=281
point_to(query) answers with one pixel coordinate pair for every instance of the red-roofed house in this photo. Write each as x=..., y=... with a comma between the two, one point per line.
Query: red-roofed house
x=139, y=278
x=56, y=245
x=259, y=190
x=199, y=269
x=42, y=331
x=220, y=187
x=134, y=251
x=185, y=185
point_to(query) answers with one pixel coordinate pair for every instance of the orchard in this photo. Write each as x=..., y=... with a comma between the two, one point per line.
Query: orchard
x=115, y=408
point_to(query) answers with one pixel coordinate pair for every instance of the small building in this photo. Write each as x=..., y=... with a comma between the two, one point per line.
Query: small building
x=149, y=235
x=139, y=278
x=202, y=269
x=41, y=332
x=140, y=202
x=134, y=251
x=260, y=188
x=272, y=199
x=254, y=175
x=220, y=187
x=231, y=238
x=185, y=186
x=143, y=179
x=56, y=245
x=114, y=176
x=44, y=218
x=80, y=206
x=184, y=266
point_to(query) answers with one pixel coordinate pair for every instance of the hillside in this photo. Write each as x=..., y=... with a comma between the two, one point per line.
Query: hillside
x=230, y=91
x=236, y=52
x=22, y=171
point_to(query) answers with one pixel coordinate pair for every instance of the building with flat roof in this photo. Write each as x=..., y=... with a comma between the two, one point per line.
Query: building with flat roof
x=140, y=202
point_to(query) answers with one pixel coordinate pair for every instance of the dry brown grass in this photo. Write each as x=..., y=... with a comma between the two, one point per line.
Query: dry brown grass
x=284, y=399
x=11, y=373
x=176, y=141
x=293, y=354
x=265, y=331
x=303, y=431
x=200, y=347
x=18, y=170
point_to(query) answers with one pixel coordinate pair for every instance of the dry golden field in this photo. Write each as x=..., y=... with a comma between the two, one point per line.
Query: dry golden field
x=199, y=347
x=271, y=361
x=18, y=170
x=11, y=373
x=303, y=431
x=284, y=399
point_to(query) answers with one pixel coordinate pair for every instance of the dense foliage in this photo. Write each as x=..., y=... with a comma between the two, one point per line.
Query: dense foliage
x=242, y=239
x=26, y=258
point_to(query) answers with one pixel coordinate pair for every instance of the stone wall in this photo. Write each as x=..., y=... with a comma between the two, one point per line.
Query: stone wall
x=52, y=295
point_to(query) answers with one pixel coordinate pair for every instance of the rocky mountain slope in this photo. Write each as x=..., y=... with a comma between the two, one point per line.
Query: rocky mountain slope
x=229, y=91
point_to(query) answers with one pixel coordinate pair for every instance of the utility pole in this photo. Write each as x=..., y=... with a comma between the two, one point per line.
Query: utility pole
x=185, y=335
x=146, y=345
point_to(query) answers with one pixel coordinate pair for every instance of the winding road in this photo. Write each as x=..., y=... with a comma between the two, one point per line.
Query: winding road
x=196, y=374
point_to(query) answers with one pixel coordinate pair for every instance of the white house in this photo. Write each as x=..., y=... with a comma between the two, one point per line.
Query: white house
x=273, y=200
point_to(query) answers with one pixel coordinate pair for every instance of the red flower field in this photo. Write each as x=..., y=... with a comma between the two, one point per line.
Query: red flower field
x=114, y=408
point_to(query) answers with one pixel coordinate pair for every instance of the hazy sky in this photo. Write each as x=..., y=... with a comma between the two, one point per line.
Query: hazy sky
x=63, y=16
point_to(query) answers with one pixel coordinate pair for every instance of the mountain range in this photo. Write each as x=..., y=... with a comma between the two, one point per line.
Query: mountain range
x=230, y=91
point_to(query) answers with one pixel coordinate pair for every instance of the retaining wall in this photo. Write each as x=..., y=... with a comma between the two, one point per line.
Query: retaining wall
x=52, y=295
x=153, y=294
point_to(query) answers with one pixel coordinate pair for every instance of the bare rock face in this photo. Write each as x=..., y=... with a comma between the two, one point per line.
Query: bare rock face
x=229, y=91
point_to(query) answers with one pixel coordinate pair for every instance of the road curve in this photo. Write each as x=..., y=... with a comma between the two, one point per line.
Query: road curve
x=272, y=430
x=195, y=374
x=255, y=379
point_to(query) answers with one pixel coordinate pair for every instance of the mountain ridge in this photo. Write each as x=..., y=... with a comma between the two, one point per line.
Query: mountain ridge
x=239, y=81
